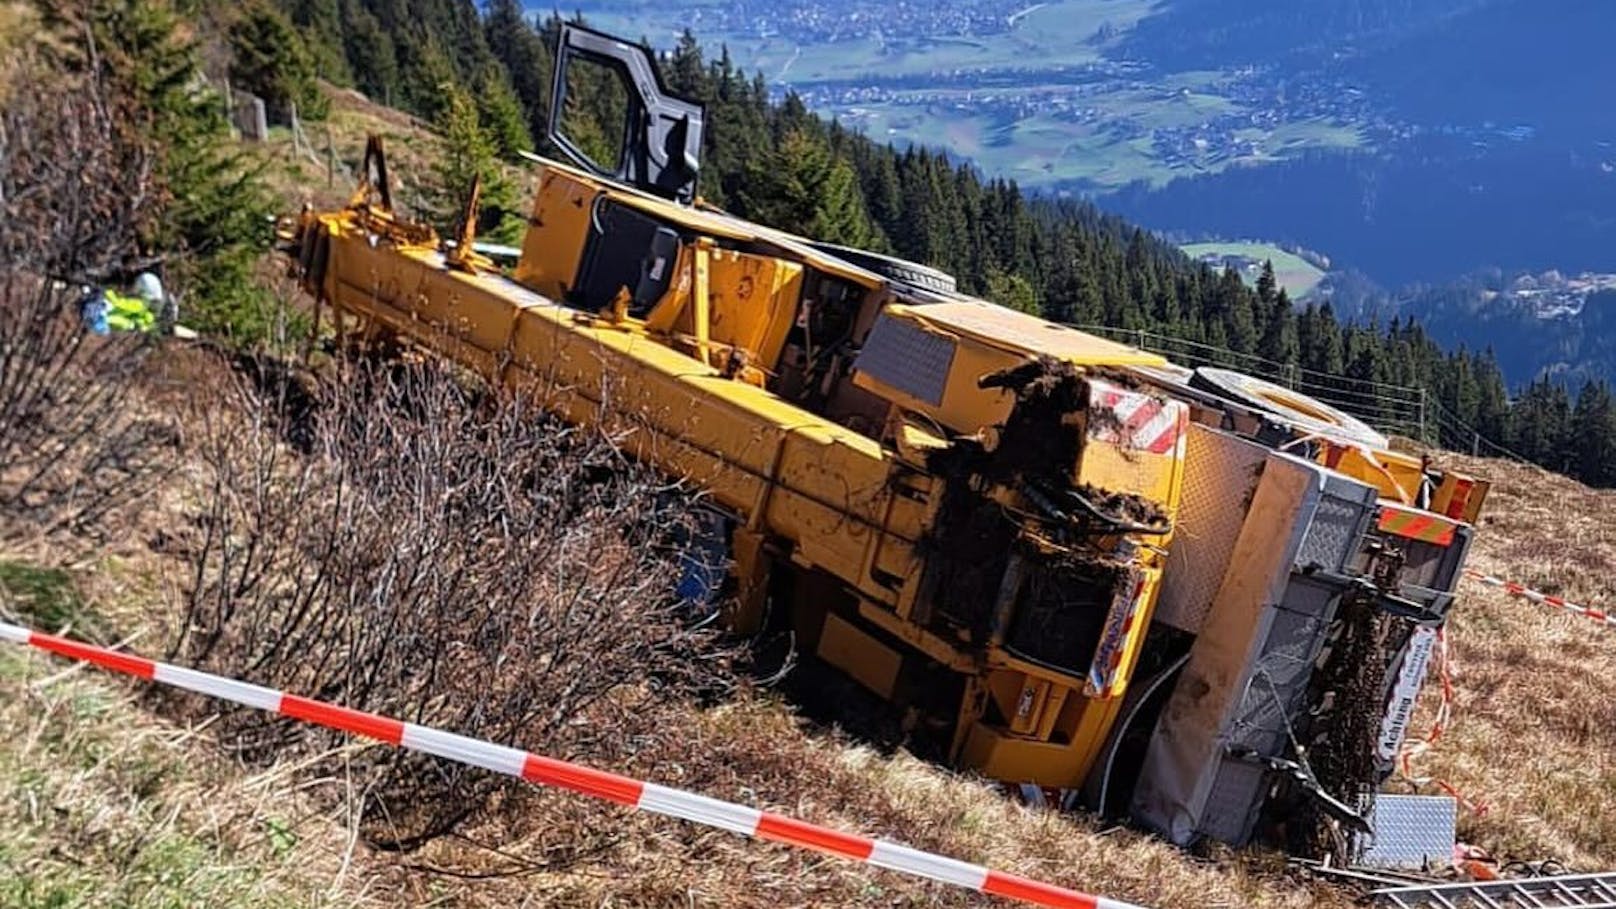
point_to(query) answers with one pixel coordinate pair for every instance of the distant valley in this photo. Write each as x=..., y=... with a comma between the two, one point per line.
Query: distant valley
x=1420, y=143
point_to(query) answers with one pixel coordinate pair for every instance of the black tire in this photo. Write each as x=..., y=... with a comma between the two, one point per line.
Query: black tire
x=1303, y=412
x=901, y=270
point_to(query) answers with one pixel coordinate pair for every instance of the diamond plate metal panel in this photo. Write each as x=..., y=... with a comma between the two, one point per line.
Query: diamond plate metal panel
x=1220, y=472
x=1344, y=512
x=908, y=358
x=1411, y=831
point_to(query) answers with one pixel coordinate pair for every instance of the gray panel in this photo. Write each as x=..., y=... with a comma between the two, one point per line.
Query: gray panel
x=908, y=358
x=1220, y=473
x=1249, y=669
x=1412, y=831
x=1594, y=891
x=1335, y=536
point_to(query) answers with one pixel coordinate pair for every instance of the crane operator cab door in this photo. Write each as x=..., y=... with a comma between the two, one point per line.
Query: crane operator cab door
x=604, y=85
x=617, y=124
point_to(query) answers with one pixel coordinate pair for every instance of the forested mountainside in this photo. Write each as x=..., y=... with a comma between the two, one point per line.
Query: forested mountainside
x=782, y=165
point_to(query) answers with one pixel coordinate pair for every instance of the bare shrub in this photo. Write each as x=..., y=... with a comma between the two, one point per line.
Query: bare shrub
x=446, y=558
x=74, y=191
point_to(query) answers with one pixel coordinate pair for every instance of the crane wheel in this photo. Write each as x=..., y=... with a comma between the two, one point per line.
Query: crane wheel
x=1303, y=412
x=901, y=270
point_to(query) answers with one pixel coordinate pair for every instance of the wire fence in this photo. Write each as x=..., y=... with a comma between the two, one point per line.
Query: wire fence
x=1395, y=409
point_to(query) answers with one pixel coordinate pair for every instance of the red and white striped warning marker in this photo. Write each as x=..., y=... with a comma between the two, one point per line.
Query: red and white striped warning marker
x=597, y=783
x=1601, y=616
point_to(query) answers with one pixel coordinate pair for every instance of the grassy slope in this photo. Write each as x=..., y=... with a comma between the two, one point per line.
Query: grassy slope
x=104, y=803
x=1534, y=734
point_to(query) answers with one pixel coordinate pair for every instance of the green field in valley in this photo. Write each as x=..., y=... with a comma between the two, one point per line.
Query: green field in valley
x=1038, y=96
x=1297, y=275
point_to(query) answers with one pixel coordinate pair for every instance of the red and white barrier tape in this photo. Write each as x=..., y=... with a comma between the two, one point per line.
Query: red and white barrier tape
x=1599, y=615
x=1418, y=747
x=596, y=783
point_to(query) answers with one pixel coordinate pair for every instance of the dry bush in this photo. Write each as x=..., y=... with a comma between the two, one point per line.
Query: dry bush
x=445, y=558
x=73, y=192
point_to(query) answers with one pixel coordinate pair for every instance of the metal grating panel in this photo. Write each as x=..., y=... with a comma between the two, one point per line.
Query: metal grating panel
x=1220, y=470
x=908, y=358
x=1593, y=891
x=1411, y=832
x=1333, y=538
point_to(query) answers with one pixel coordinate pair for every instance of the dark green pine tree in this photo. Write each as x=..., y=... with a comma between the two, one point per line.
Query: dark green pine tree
x=1239, y=319
x=1593, y=435
x=525, y=57
x=501, y=113
x=1539, y=421
x=269, y=58
x=213, y=225
x=370, y=53
x=802, y=187
x=320, y=22
x=1492, y=398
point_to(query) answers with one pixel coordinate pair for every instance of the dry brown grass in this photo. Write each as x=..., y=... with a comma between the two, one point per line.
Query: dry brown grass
x=1534, y=734
x=1532, y=738
x=412, y=147
x=102, y=804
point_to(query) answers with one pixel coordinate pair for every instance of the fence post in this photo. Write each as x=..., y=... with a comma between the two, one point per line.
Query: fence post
x=330, y=157
x=1475, y=446
x=1423, y=439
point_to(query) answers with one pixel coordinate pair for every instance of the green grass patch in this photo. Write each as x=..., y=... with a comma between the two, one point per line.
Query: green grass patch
x=103, y=806
x=1297, y=275
x=48, y=598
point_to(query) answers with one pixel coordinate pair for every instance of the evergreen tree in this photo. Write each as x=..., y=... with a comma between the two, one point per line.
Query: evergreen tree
x=802, y=187
x=1593, y=436
x=1540, y=420
x=320, y=24
x=1279, y=340
x=502, y=114
x=471, y=152
x=371, y=56
x=270, y=59
x=1013, y=291
x=214, y=225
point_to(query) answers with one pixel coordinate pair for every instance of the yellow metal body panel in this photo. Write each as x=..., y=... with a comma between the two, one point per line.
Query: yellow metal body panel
x=754, y=303
x=870, y=662
x=1397, y=476
x=804, y=478
x=1029, y=336
x=562, y=214
x=804, y=488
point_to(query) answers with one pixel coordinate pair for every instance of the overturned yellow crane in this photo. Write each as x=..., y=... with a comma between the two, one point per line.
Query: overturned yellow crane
x=968, y=510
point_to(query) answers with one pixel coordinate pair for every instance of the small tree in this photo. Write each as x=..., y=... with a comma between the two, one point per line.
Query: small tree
x=502, y=115
x=1014, y=292
x=470, y=152
x=211, y=217
x=271, y=59
x=801, y=185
